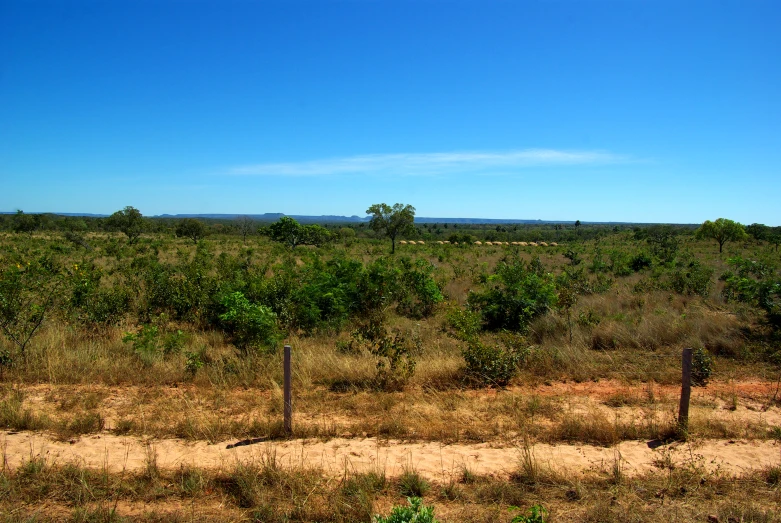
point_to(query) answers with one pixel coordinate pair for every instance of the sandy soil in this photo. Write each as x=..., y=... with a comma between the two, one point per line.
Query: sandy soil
x=433, y=460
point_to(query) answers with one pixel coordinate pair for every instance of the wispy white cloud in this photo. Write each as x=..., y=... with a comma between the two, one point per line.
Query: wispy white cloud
x=430, y=164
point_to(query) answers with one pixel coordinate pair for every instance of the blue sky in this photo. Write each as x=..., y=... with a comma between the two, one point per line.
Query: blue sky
x=597, y=110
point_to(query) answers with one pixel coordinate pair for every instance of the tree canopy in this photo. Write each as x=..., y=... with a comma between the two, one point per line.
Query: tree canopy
x=129, y=221
x=191, y=228
x=24, y=223
x=291, y=233
x=392, y=221
x=722, y=230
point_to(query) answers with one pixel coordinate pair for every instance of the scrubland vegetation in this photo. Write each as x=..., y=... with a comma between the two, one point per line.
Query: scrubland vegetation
x=437, y=342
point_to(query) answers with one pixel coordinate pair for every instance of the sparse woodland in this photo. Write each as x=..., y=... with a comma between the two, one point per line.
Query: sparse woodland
x=437, y=342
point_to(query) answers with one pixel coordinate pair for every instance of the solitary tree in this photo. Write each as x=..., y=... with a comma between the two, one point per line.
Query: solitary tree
x=722, y=230
x=246, y=226
x=190, y=228
x=128, y=221
x=392, y=221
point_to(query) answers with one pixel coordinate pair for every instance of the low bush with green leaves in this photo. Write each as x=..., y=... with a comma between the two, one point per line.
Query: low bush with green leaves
x=491, y=364
x=250, y=326
x=536, y=514
x=517, y=293
x=690, y=277
x=756, y=282
x=702, y=367
x=416, y=512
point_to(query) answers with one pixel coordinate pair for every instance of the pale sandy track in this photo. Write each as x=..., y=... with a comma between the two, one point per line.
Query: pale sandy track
x=433, y=460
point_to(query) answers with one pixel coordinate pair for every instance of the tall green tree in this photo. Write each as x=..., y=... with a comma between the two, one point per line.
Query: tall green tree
x=392, y=221
x=129, y=221
x=24, y=223
x=191, y=228
x=291, y=233
x=722, y=230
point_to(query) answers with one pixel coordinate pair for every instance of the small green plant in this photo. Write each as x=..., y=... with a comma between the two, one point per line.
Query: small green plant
x=702, y=367
x=6, y=360
x=536, y=514
x=412, y=484
x=773, y=475
x=174, y=342
x=416, y=512
x=144, y=343
x=193, y=362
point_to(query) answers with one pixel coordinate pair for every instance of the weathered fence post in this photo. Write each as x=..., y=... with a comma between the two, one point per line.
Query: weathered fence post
x=288, y=397
x=686, y=390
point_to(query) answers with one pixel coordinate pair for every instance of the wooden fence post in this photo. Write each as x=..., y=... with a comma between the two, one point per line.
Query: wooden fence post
x=686, y=390
x=288, y=397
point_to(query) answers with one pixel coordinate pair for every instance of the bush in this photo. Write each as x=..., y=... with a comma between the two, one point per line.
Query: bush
x=249, y=326
x=640, y=261
x=702, y=367
x=755, y=282
x=90, y=303
x=692, y=278
x=395, y=353
x=536, y=514
x=28, y=292
x=464, y=322
x=491, y=364
x=419, y=292
x=416, y=512
x=145, y=343
x=517, y=294
x=185, y=290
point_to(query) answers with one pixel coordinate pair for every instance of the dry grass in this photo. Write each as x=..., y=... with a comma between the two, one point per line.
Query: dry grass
x=261, y=490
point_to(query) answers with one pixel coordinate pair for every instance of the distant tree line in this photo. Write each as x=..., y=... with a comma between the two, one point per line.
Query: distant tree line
x=132, y=224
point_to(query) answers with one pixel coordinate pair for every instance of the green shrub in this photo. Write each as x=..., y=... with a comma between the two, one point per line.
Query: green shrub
x=491, y=364
x=91, y=304
x=692, y=278
x=193, y=362
x=29, y=291
x=465, y=323
x=173, y=342
x=416, y=512
x=412, y=484
x=395, y=353
x=249, y=326
x=756, y=282
x=640, y=261
x=419, y=293
x=702, y=367
x=185, y=289
x=536, y=514
x=145, y=343
x=620, y=263
x=517, y=294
